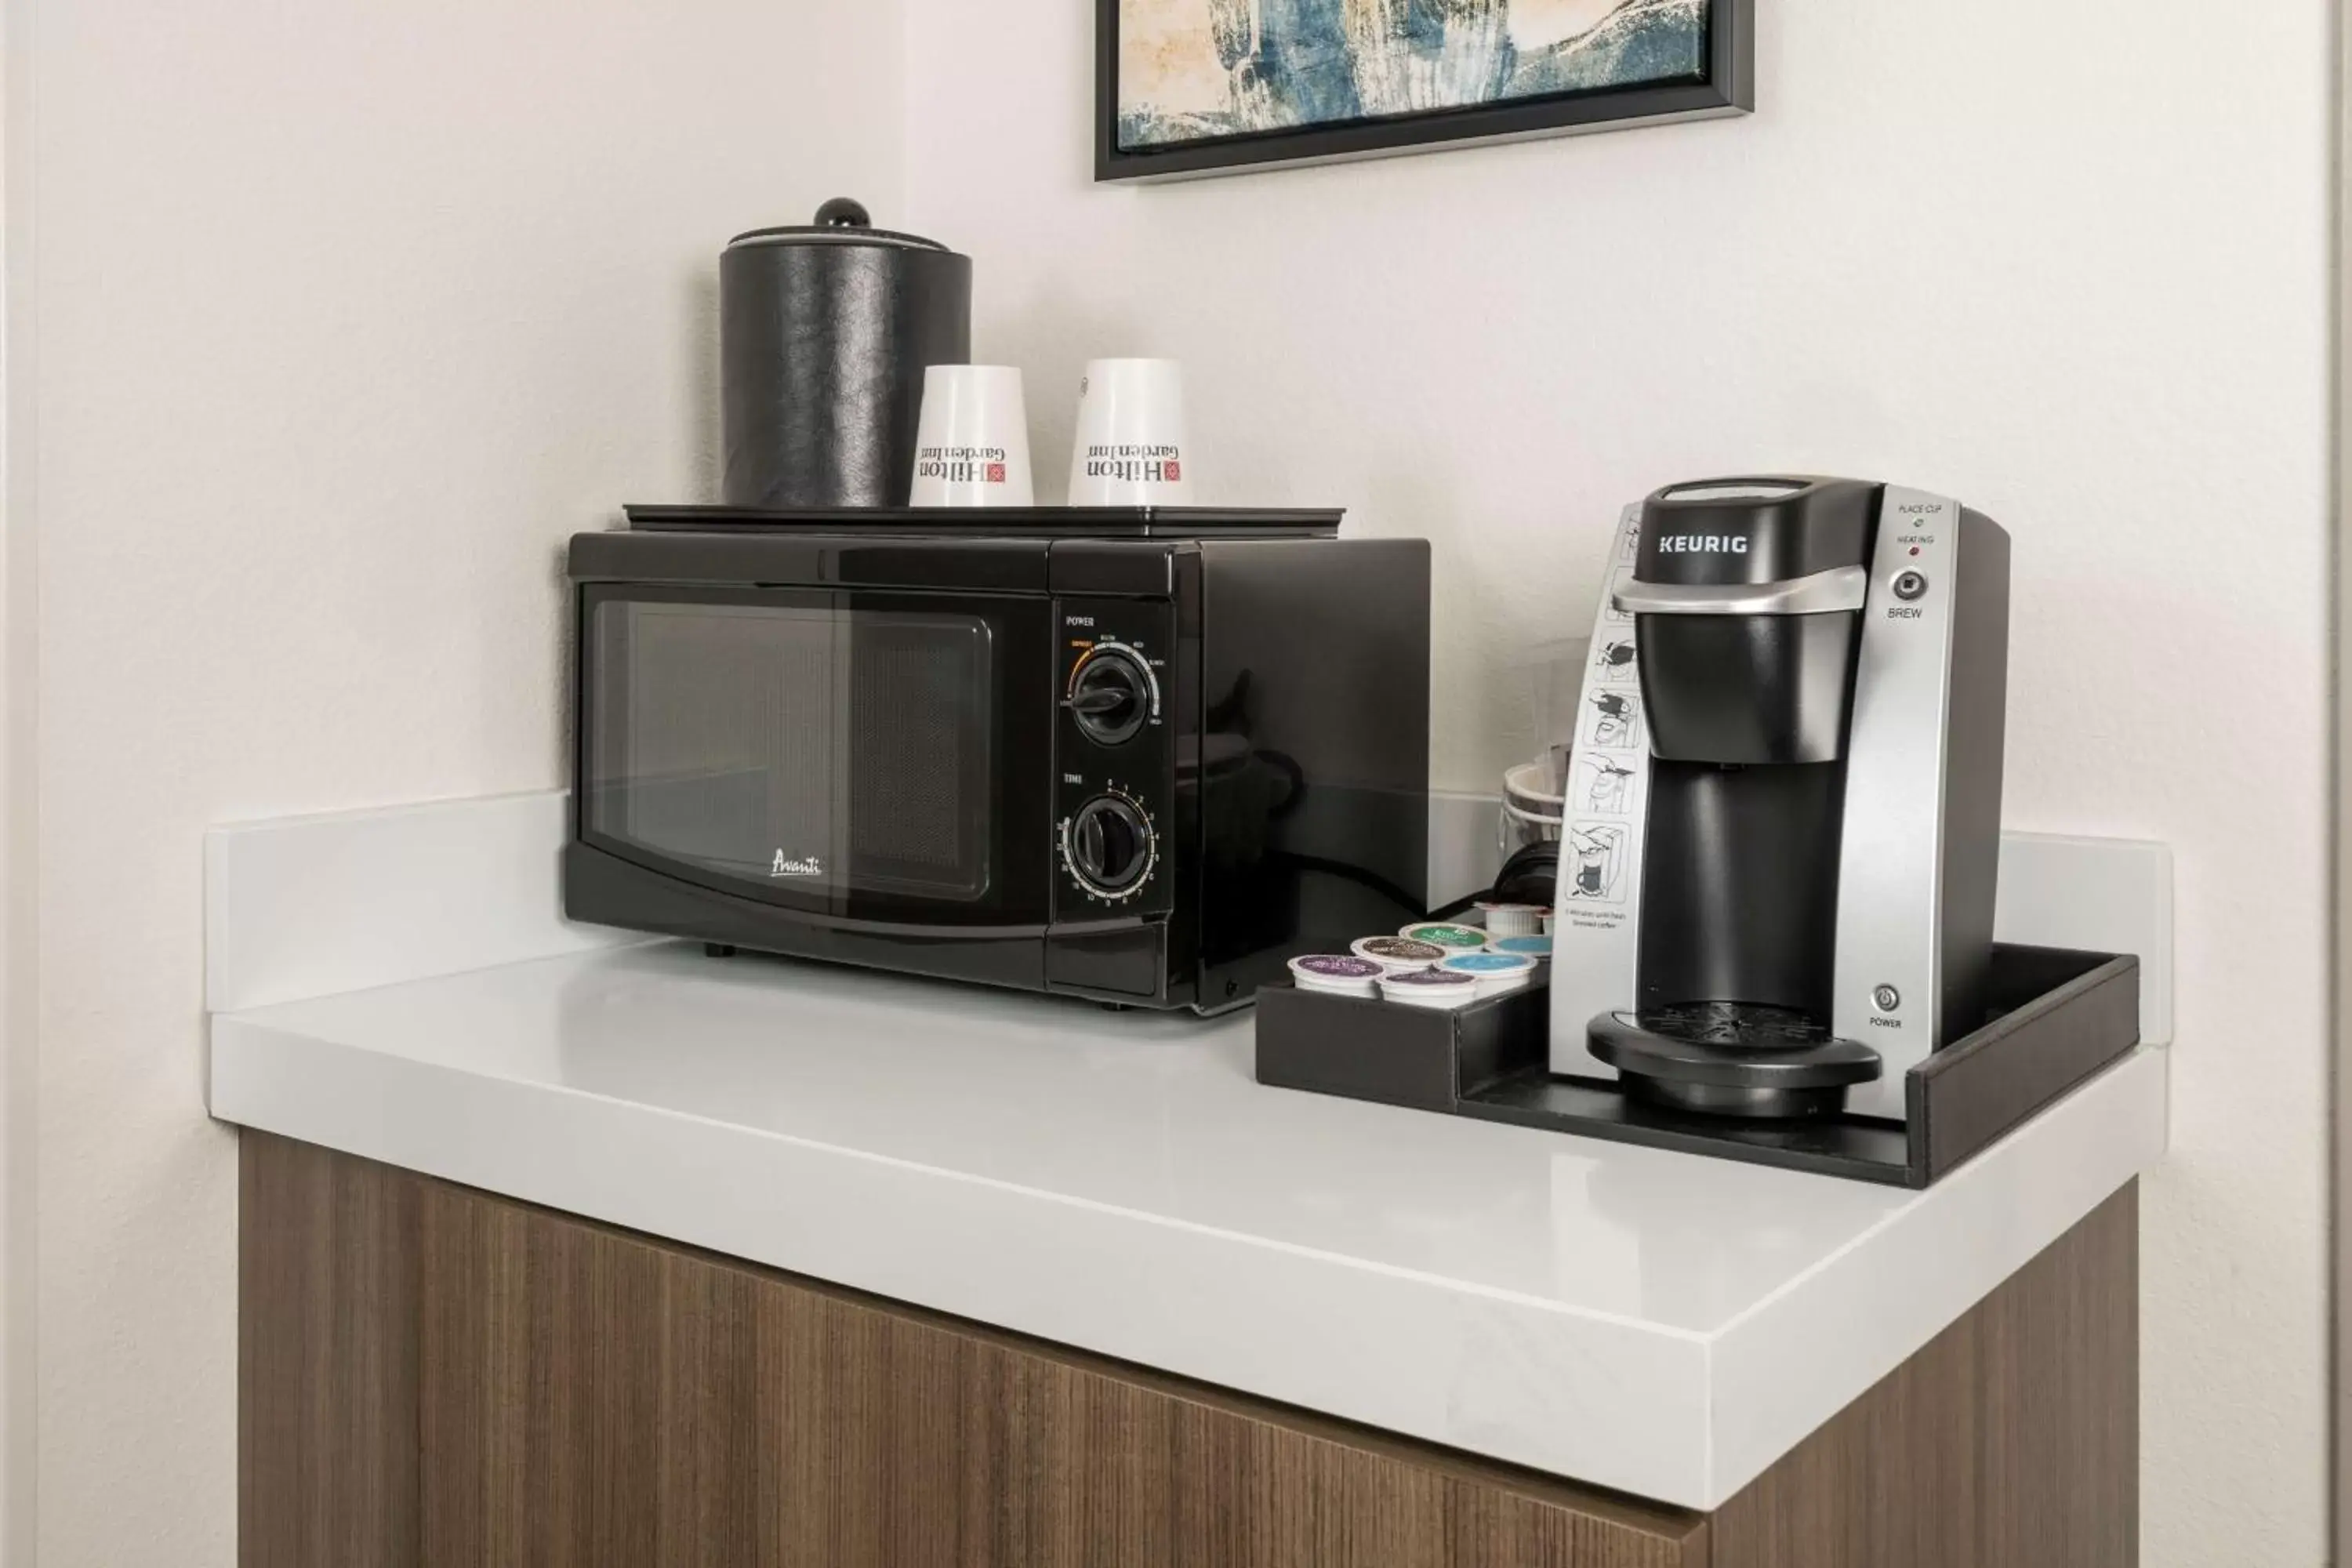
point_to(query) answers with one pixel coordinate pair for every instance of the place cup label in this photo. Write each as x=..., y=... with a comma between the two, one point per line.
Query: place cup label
x=1136, y=464
x=961, y=465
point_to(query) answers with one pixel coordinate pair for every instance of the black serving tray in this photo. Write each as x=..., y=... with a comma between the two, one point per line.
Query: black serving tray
x=1024, y=522
x=2057, y=1017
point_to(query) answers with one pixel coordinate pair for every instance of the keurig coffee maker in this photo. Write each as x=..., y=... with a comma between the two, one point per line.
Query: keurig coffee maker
x=1783, y=831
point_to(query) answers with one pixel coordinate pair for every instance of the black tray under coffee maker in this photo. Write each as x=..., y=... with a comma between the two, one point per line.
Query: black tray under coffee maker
x=2054, y=1020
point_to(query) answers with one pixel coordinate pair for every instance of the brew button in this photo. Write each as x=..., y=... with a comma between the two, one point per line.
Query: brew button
x=1889, y=999
x=1909, y=586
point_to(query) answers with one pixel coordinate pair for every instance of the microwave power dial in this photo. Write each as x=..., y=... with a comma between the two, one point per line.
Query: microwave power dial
x=1109, y=846
x=1113, y=694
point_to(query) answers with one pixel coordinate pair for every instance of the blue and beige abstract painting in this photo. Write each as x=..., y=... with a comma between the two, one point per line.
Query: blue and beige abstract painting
x=1192, y=71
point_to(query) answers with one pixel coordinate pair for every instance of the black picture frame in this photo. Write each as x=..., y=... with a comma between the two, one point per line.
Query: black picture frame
x=1727, y=88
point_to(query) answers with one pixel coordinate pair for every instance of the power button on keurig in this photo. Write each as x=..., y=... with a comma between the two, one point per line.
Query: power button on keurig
x=1889, y=1000
x=1909, y=586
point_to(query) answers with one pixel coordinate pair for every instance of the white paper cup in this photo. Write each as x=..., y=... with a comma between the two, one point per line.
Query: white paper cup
x=971, y=446
x=1132, y=448
x=1528, y=789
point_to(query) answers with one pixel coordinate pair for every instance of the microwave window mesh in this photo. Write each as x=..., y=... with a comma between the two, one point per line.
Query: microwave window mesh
x=910, y=725
x=816, y=750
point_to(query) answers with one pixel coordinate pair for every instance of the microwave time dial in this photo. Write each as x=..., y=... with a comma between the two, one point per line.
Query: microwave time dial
x=1109, y=846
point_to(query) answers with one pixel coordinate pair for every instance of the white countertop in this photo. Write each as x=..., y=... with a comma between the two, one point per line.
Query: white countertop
x=1661, y=1324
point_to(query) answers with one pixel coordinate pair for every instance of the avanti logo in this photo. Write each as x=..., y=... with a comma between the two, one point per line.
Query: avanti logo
x=787, y=867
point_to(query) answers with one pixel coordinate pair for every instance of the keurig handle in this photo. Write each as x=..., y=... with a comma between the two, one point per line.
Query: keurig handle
x=842, y=213
x=1841, y=588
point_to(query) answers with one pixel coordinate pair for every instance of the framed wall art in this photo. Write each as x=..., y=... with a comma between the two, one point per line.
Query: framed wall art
x=1200, y=87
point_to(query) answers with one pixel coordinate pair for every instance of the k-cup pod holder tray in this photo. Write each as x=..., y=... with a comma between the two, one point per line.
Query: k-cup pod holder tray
x=2057, y=1018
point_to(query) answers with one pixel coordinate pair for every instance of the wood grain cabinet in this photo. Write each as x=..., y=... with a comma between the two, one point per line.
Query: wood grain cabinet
x=435, y=1378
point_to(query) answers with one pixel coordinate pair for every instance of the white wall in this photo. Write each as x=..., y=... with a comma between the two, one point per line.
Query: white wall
x=19, y=861
x=346, y=317
x=2068, y=262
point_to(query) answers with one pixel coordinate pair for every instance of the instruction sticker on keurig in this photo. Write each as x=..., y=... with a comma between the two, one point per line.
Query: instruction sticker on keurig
x=1605, y=818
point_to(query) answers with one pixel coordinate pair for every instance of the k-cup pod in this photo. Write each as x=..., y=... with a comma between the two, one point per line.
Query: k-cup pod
x=1512, y=920
x=1551, y=921
x=1433, y=988
x=1452, y=938
x=971, y=447
x=1493, y=973
x=1536, y=947
x=1338, y=975
x=1132, y=441
x=1396, y=954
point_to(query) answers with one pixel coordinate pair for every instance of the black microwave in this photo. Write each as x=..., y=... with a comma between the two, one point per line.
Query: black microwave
x=1141, y=757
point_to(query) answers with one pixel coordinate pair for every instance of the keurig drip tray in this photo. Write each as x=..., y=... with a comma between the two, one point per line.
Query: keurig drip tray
x=2055, y=1019
x=1724, y=1058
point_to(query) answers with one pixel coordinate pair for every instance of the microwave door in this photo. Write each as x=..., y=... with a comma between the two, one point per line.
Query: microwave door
x=851, y=757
